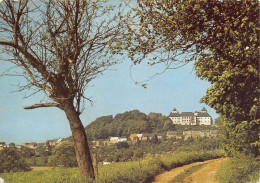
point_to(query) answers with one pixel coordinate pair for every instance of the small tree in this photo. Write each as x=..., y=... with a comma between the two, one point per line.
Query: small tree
x=121, y=145
x=63, y=155
x=154, y=139
x=10, y=160
x=59, y=48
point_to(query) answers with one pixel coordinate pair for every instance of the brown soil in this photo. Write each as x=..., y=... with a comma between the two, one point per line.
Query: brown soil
x=204, y=175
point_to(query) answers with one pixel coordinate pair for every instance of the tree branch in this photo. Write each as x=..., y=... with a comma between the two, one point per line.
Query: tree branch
x=42, y=105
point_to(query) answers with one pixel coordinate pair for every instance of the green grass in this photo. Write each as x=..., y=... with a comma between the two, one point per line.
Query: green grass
x=180, y=178
x=132, y=171
x=239, y=169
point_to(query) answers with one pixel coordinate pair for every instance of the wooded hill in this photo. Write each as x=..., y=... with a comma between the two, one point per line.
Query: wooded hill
x=133, y=122
x=127, y=123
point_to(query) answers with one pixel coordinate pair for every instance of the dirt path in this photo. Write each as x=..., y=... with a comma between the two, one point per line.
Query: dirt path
x=203, y=175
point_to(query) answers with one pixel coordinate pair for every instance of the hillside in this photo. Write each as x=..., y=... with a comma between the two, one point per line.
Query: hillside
x=127, y=123
x=134, y=122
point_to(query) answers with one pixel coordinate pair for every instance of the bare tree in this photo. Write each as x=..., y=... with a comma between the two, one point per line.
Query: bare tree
x=60, y=46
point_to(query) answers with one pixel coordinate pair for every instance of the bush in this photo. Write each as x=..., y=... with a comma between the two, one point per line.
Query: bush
x=239, y=169
x=10, y=160
x=63, y=155
x=121, y=145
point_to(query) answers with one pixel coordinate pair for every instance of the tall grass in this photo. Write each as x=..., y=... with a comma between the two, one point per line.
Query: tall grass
x=133, y=171
x=240, y=169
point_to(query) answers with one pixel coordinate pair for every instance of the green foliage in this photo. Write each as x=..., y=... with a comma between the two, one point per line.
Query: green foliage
x=202, y=143
x=121, y=145
x=37, y=161
x=10, y=160
x=237, y=137
x=127, y=123
x=138, y=150
x=63, y=155
x=133, y=171
x=154, y=139
x=26, y=152
x=223, y=38
x=239, y=169
x=194, y=27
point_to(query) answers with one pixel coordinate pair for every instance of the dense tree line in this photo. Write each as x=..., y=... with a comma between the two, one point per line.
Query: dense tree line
x=127, y=123
x=139, y=150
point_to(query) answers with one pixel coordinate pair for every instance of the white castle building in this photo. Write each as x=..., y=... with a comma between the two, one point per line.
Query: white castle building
x=191, y=118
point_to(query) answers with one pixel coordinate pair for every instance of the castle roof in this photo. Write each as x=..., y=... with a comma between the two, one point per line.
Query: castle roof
x=187, y=114
x=201, y=114
x=203, y=109
x=174, y=109
x=174, y=114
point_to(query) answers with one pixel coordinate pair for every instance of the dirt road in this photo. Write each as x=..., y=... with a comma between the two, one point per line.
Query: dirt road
x=204, y=175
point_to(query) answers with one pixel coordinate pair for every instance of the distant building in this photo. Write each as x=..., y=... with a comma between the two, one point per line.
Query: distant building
x=2, y=145
x=54, y=142
x=31, y=145
x=148, y=136
x=191, y=118
x=113, y=140
x=199, y=133
x=101, y=142
x=174, y=134
x=122, y=139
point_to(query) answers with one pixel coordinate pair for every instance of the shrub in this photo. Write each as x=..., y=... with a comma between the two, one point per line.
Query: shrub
x=63, y=155
x=10, y=160
x=239, y=169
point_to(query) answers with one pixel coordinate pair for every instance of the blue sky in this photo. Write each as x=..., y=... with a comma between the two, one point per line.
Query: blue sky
x=112, y=93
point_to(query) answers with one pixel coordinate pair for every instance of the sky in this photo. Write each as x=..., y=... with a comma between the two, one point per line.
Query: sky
x=113, y=92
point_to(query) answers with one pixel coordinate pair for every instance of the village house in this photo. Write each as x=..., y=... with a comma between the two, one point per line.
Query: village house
x=2, y=145
x=136, y=137
x=148, y=136
x=122, y=139
x=199, y=133
x=190, y=118
x=114, y=140
x=174, y=134
x=54, y=142
x=101, y=142
x=18, y=146
x=31, y=145
x=160, y=135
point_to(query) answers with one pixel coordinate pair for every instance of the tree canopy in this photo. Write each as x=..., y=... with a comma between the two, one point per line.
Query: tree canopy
x=127, y=123
x=223, y=38
x=11, y=160
x=63, y=155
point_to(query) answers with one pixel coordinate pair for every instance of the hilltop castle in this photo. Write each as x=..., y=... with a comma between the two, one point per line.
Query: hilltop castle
x=190, y=118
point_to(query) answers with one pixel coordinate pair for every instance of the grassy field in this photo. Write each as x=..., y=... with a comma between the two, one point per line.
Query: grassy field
x=40, y=168
x=132, y=171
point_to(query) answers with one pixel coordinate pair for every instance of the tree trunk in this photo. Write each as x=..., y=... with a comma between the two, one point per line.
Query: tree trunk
x=80, y=140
